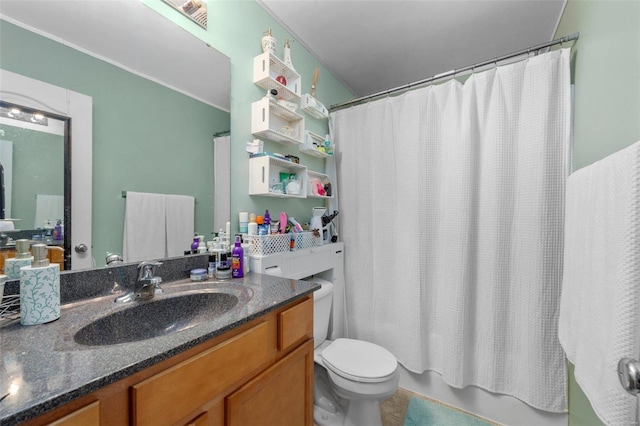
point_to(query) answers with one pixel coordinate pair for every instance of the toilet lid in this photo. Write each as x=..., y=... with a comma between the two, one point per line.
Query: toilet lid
x=359, y=361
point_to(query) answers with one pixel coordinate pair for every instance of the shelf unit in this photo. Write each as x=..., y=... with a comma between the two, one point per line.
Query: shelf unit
x=266, y=67
x=265, y=171
x=308, y=148
x=268, y=118
x=314, y=107
x=324, y=179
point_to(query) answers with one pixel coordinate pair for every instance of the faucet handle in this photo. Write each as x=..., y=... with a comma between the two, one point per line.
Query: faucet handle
x=147, y=269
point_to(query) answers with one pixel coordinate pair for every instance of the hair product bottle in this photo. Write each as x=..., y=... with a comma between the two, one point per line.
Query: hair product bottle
x=237, y=259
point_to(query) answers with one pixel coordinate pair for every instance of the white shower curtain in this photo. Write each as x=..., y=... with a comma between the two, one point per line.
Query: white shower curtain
x=452, y=201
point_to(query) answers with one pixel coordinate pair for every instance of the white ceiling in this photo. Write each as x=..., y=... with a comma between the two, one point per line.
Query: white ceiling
x=375, y=45
x=130, y=35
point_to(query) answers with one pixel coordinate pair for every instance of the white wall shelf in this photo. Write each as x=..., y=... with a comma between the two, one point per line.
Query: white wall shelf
x=269, y=120
x=309, y=148
x=267, y=67
x=265, y=171
x=314, y=107
x=324, y=179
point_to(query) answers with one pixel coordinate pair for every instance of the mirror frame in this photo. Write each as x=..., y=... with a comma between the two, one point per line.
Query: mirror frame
x=66, y=182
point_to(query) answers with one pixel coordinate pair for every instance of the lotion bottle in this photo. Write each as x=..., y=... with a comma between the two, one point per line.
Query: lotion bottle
x=39, y=289
x=23, y=258
x=237, y=259
x=252, y=227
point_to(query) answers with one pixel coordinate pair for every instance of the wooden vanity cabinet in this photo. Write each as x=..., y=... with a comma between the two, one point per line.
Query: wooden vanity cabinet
x=260, y=373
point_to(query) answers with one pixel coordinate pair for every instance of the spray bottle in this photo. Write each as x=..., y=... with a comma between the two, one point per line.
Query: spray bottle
x=237, y=259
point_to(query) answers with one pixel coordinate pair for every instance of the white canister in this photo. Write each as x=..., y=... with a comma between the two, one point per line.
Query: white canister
x=39, y=289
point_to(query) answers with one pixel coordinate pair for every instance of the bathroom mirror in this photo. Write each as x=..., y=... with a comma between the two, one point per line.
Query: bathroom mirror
x=33, y=145
x=159, y=95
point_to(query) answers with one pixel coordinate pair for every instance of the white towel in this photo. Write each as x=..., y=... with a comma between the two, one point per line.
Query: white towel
x=48, y=208
x=599, y=311
x=179, y=223
x=144, y=227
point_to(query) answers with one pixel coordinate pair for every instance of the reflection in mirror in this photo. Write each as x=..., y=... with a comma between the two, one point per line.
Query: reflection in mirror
x=152, y=132
x=33, y=147
x=196, y=10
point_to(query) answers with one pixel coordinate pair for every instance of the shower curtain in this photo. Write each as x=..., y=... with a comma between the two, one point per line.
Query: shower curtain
x=452, y=202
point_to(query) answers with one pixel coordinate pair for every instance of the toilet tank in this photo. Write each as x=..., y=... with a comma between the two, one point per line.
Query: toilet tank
x=322, y=299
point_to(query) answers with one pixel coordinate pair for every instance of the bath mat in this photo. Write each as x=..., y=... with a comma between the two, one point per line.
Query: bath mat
x=423, y=413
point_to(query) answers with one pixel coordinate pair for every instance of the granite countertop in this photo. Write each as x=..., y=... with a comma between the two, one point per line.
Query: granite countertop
x=44, y=368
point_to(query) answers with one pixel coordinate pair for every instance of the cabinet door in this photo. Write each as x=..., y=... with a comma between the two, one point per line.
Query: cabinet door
x=169, y=396
x=282, y=395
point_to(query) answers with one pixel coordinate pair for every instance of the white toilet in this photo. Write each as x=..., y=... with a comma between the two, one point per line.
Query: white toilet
x=351, y=376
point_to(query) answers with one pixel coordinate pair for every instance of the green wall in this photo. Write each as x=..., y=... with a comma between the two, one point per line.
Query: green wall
x=236, y=28
x=606, y=73
x=146, y=137
x=38, y=168
x=122, y=143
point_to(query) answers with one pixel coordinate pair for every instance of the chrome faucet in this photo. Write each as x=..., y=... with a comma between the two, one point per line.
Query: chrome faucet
x=147, y=285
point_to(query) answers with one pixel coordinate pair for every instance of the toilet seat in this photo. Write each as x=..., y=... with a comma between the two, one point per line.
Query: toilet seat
x=359, y=361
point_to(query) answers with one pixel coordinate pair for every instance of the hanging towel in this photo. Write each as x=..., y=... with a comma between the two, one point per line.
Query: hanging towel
x=48, y=208
x=144, y=227
x=599, y=310
x=179, y=223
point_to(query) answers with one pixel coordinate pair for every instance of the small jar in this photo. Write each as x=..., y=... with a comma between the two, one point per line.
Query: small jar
x=198, y=274
x=223, y=271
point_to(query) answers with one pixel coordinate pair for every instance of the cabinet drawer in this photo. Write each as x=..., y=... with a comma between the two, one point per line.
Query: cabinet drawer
x=295, y=324
x=86, y=416
x=173, y=394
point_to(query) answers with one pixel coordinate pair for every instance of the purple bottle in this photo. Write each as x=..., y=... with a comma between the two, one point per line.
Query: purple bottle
x=237, y=259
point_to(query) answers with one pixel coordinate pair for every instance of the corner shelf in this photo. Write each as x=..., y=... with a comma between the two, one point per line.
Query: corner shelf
x=308, y=148
x=267, y=67
x=268, y=118
x=324, y=179
x=265, y=171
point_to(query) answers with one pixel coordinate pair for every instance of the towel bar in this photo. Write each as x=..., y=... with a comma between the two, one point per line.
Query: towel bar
x=124, y=195
x=629, y=375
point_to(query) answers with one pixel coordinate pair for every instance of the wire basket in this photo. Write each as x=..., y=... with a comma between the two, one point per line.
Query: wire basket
x=304, y=240
x=9, y=307
x=264, y=245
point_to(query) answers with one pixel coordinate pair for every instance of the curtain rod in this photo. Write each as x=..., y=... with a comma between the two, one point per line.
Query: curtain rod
x=452, y=73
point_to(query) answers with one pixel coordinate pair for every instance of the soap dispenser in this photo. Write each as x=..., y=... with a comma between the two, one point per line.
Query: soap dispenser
x=39, y=289
x=23, y=258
